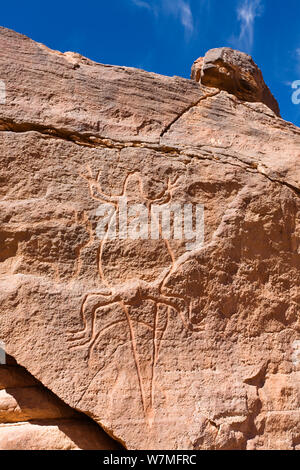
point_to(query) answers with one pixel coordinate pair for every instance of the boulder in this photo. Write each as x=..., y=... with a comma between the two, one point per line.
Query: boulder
x=236, y=73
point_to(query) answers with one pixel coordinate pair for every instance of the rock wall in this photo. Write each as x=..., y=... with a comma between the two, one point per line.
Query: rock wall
x=164, y=346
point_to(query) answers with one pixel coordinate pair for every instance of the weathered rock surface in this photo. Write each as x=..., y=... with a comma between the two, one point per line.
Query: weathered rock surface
x=164, y=348
x=236, y=73
x=32, y=418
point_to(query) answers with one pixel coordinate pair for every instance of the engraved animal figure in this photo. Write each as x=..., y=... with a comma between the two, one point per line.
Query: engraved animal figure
x=132, y=293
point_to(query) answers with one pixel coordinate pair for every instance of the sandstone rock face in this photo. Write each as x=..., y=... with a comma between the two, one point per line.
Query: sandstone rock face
x=164, y=346
x=32, y=418
x=235, y=72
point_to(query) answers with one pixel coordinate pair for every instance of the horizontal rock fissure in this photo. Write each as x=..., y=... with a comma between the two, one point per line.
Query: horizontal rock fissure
x=98, y=142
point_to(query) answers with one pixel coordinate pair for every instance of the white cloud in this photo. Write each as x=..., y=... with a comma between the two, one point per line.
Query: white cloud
x=247, y=13
x=179, y=9
x=141, y=4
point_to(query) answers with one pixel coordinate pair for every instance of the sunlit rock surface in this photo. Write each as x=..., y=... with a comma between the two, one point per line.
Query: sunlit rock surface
x=162, y=347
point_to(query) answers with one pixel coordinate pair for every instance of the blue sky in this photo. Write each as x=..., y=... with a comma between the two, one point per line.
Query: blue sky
x=166, y=36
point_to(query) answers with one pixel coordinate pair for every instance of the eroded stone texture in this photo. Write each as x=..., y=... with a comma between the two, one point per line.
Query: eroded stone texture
x=164, y=348
x=235, y=72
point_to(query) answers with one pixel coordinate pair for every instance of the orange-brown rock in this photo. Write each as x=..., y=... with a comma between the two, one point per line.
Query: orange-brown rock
x=164, y=346
x=236, y=73
x=33, y=418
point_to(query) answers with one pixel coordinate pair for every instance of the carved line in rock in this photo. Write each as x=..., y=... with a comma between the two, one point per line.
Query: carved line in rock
x=128, y=294
x=8, y=125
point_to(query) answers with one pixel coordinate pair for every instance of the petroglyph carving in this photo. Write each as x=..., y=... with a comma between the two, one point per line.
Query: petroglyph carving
x=132, y=293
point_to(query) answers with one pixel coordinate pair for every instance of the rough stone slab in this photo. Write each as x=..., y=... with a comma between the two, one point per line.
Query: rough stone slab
x=164, y=348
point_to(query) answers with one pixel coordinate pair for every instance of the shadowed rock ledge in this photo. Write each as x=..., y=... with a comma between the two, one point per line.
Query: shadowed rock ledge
x=33, y=418
x=164, y=347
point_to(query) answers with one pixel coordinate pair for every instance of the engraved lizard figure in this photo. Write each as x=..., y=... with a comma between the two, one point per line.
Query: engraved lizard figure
x=132, y=293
